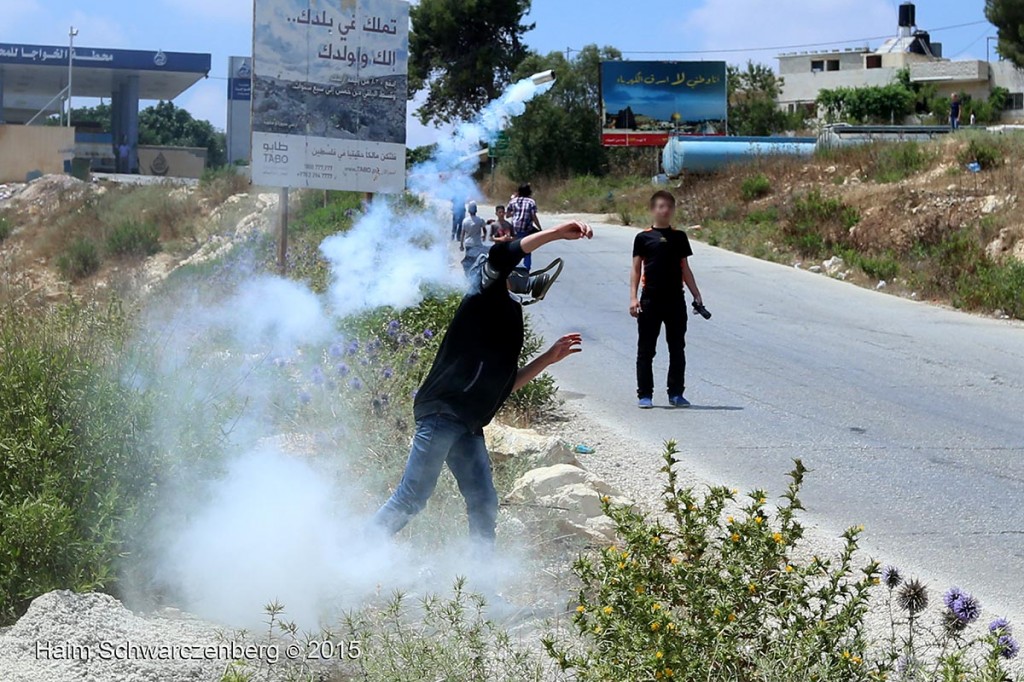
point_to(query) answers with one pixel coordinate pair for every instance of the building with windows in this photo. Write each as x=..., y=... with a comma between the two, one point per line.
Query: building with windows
x=805, y=74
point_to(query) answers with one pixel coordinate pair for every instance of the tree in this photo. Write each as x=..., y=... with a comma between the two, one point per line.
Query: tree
x=166, y=124
x=1008, y=18
x=560, y=132
x=753, y=92
x=870, y=104
x=463, y=53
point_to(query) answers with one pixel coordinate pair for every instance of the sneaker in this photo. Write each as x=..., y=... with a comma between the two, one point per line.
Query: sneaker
x=645, y=403
x=678, y=401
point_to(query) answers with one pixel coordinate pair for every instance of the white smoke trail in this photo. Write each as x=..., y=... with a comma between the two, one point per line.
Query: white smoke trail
x=274, y=525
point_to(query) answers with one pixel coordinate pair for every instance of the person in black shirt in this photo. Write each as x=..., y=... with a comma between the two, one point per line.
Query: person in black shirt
x=660, y=268
x=955, y=107
x=474, y=372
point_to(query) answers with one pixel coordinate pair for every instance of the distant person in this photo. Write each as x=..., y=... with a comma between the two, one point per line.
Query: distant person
x=458, y=215
x=474, y=372
x=501, y=228
x=522, y=213
x=955, y=108
x=660, y=269
x=124, y=153
x=474, y=234
x=973, y=119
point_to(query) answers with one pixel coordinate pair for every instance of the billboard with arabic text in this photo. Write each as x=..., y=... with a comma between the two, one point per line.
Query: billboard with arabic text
x=645, y=102
x=329, y=82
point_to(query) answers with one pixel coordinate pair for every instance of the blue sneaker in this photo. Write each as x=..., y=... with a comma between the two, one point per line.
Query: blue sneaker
x=678, y=401
x=645, y=403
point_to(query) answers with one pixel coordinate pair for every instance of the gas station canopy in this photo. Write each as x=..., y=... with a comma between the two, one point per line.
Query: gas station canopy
x=31, y=75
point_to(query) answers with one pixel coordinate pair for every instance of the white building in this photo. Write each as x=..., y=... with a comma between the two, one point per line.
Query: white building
x=805, y=74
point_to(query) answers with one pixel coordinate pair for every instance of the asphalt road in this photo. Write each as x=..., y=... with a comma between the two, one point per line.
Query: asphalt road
x=911, y=416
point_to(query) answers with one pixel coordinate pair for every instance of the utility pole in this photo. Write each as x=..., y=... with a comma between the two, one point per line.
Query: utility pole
x=71, y=66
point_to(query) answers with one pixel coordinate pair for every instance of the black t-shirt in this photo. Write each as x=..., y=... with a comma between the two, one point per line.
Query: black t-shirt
x=663, y=251
x=954, y=109
x=476, y=366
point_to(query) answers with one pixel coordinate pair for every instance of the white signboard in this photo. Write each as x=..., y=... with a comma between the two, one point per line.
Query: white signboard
x=329, y=94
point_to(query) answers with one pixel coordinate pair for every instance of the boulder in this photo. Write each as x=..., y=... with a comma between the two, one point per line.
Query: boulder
x=506, y=443
x=833, y=266
x=573, y=495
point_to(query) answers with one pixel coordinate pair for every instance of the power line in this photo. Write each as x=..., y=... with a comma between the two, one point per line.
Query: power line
x=794, y=47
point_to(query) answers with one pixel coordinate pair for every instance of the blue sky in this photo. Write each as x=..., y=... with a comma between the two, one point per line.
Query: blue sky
x=724, y=29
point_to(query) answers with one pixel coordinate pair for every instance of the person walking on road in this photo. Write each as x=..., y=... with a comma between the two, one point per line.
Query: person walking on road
x=522, y=213
x=474, y=233
x=458, y=215
x=660, y=269
x=474, y=372
x=955, y=108
x=501, y=228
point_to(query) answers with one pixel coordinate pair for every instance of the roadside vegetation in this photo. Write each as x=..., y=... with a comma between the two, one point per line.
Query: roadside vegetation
x=917, y=219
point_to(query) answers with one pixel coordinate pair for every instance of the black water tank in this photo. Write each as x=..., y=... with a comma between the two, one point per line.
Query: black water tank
x=908, y=15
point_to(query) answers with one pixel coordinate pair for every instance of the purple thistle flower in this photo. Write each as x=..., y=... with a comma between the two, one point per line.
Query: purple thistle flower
x=365, y=362
x=966, y=608
x=952, y=594
x=353, y=347
x=375, y=346
x=403, y=339
x=342, y=369
x=336, y=350
x=305, y=398
x=393, y=327
x=413, y=358
x=1000, y=626
x=428, y=333
x=317, y=376
x=388, y=373
x=891, y=577
x=1008, y=647
x=356, y=384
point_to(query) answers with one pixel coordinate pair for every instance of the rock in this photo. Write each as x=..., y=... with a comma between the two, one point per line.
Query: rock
x=506, y=443
x=881, y=285
x=74, y=631
x=830, y=170
x=991, y=204
x=798, y=266
x=815, y=269
x=833, y=266
x=574, y=495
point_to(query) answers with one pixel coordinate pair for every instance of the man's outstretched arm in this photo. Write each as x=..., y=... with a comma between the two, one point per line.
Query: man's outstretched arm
x=560, y=350
x=571, y=230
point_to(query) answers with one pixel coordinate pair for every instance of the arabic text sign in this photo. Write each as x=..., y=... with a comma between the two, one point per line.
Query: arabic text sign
x=85, y=57
x=329, y=94
x=644, y=102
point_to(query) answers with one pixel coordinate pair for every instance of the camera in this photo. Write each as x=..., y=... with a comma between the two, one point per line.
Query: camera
x=701, y=310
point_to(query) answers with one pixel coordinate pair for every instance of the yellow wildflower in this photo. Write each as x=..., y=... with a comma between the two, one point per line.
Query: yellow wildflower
x=729, y=519
x=777, y=537
x=606, y=499
x=656, y=607
x=732, y=617
x=857, y=660
x=763, y=500
x=581, y=608
x=759, y=520
x=789, y=569
x=752, y=588
x=655, y=540
x=668, y=672
x=607, y=610
x=655, y=626
x=674, y=560
x=670, y=626
x=846, y=655
x=622, y=565
x=735, y=537
x=597, y=629
x=660, y=654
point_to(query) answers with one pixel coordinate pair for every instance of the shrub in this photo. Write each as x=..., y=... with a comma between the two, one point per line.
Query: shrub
x=895, y=162
x=708, y=595
x=79, y=260
x=132, y=238
x=817, y=222
x=75, y=467
x=880, y=267
x=983, y=151
x=217, y=184
x=5, y=228
x=756, y=187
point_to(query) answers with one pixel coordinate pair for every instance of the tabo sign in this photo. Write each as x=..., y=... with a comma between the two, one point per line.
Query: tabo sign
x=329, y=94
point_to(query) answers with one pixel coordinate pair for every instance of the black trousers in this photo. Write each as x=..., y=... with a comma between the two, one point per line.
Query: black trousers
x=670, y=312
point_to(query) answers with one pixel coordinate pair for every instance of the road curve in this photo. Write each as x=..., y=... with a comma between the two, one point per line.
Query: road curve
x=911, y=416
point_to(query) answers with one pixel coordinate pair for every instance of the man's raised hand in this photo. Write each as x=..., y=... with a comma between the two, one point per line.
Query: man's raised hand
x=574, y=229
x=564, y=347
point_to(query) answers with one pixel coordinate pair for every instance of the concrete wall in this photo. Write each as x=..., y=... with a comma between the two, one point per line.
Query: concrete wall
x=1006, y=75
x=804, y=87
x=801, y=63
x=965, y=71
x=28, y=149
x=172, y=162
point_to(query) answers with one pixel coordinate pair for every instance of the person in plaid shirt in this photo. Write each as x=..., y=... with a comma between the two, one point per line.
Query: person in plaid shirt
x=522, y=213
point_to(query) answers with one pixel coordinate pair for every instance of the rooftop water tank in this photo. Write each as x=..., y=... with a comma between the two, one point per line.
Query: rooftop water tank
x=908, y=15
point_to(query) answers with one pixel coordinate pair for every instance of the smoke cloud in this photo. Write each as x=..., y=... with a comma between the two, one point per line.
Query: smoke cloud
x=266, y=523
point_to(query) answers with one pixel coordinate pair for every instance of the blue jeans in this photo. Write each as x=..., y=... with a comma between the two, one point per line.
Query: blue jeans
x=954, y=123
x=439, y=440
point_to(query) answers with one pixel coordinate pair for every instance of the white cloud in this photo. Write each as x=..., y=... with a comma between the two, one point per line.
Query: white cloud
x=99, y=31
x=757, y=23
x=207, y=99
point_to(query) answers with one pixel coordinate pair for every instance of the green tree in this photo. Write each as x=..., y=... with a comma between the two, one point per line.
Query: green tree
x=166, y=124
x=870, y=104
x=463, y=53
x=753, y=92
x=1008, y=18
x=560, y=133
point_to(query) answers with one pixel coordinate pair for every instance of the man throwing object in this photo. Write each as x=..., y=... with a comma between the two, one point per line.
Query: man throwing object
x=475, y=371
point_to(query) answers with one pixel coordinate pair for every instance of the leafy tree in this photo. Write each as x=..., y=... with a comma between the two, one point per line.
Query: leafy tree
x=871, y=104
x=463, y=53
x=1008, y=17
x=560, y=133
x=753, y=92
x=166, y=124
